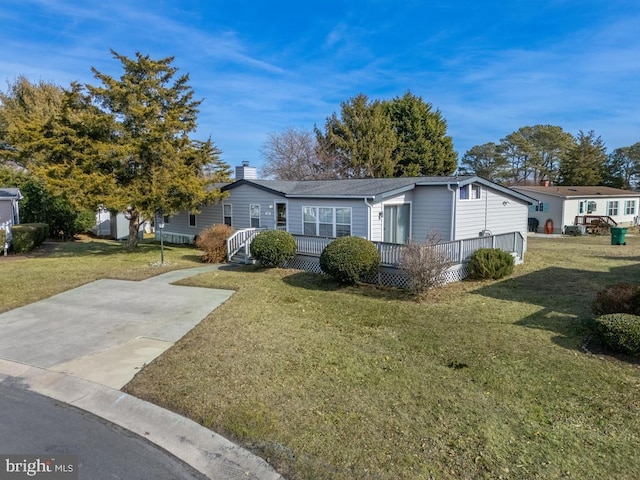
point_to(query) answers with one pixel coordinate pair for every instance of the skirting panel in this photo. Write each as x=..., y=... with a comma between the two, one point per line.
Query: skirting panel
x=388, y=276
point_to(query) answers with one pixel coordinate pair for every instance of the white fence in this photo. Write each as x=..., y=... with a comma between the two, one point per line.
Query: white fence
x=458, y=251
x=309, y=250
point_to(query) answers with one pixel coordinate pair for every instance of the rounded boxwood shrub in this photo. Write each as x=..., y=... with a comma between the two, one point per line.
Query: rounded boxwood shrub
x=491, y=264
x=350, y=259
x=619, y=332
x=272, y=248
x=618, y=298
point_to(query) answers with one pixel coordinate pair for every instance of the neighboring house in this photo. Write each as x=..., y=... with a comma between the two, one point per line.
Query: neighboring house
x=569, y=206
x=116, y=227
x=391, y=210
x=9, y=213
x=9, y=210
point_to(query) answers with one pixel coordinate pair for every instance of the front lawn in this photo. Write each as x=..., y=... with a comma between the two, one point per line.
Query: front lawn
x=486, y=380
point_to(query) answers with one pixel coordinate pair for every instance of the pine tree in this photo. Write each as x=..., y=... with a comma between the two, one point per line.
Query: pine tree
x=361, y=142
x=584, y=164
x=423, y=146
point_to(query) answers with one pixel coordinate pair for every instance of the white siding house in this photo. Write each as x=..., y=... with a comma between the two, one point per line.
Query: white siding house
x=568, y=206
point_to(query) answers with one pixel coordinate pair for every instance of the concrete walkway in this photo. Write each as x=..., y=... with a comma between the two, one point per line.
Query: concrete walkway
x=81, y=346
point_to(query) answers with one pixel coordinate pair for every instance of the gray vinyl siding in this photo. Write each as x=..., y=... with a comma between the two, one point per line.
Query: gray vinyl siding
x=492, y=212
x=243, y=196
x=377, y=220
x=431, y=212
x=6, y=211
x=505, y=218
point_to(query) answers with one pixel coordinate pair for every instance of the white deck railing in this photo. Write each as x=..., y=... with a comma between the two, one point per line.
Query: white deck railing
x=239, y=239
x=459, y=251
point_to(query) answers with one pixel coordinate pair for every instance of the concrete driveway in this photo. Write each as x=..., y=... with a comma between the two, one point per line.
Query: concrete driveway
x=107, y=330
x=81, y=346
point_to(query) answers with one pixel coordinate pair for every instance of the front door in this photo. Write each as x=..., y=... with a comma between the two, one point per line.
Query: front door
x=281, y=216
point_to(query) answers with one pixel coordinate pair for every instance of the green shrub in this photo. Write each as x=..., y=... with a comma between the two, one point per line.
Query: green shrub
x=350, y=259
x=618, y=298
x=3, y=239
x=213, y=243
x=490, y=264
x=272, y=248
x=28, y=236
x=619, y=332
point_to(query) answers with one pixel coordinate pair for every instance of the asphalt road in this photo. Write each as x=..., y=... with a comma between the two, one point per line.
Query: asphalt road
x=34, y=424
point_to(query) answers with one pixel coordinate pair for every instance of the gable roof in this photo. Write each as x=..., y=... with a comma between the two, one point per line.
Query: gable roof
x=579, y=191
x=10, y=194
x=366, y=188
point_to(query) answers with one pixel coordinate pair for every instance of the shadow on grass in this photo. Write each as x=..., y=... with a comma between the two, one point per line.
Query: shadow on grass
x=319, y=282
x=565, y=296
x=78, y=248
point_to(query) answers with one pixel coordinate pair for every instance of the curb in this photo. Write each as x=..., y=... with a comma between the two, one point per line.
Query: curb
x=203, y=449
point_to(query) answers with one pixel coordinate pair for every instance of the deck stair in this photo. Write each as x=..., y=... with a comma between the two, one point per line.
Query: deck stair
x=596, y=224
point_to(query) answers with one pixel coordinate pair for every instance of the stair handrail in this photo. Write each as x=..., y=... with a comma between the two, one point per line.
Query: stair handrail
x=239, y=239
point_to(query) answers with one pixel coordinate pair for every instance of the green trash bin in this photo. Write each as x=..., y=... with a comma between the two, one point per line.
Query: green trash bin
x=617, y=235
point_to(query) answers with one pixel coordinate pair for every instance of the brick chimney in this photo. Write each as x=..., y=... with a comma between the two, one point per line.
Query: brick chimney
x=544, y=183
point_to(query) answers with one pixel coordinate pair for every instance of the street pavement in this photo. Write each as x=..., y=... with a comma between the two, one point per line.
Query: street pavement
x=81, y=346
x=35, y=423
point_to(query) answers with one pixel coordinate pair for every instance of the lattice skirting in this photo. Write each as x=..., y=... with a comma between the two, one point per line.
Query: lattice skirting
x=389, y=276
x=175, y=238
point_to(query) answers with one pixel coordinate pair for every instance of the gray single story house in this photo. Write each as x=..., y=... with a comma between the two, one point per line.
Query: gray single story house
x=558, y=207
x=390, y=210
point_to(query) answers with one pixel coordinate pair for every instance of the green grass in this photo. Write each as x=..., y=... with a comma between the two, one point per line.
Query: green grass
x=487, y=380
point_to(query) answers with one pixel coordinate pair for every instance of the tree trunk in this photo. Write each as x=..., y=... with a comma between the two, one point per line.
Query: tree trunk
x=134, y=225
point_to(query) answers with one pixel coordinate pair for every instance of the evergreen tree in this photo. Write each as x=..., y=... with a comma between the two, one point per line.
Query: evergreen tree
x=485, y=161
x=534, y=152
x=25, y=108
x=623, y=167
x=584, y=164
x=361, y=142
x=423, y=146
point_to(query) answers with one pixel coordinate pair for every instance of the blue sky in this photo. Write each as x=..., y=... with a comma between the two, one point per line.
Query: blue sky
x=490, y=67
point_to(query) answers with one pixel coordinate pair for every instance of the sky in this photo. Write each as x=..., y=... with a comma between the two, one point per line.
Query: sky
x=490, y=67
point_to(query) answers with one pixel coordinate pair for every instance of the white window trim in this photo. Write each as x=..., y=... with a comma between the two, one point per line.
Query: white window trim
x=471, y=187
x=391, y=204
x=230, y=216
x=610, y=204
x=333, y=219
x=627, y=204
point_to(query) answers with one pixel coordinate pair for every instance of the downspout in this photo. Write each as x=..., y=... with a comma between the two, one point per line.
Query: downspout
x=453, y=212
x=370, y=209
